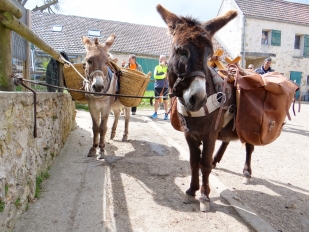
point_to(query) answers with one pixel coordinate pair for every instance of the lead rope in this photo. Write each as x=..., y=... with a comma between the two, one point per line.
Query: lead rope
x=85, y=80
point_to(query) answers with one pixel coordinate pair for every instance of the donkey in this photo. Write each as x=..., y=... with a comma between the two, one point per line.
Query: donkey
x=101, y=79
x=202, y=96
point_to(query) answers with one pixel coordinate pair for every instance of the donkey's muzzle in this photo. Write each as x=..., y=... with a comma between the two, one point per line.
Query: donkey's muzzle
x=97, y=88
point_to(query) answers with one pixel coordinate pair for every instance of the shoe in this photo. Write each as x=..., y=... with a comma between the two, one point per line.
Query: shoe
x=155, y=115
x=133, y=113
x=166, y=117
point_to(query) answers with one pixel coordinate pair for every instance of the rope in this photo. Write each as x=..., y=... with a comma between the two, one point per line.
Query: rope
x=16, y=82
x=85, y=80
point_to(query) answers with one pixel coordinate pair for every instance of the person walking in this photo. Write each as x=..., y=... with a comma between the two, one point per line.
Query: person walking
x=161, y=86
x=132, y=65
x=265, y=68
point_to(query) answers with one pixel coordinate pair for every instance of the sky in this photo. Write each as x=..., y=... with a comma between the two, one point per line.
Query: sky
x=139, y=11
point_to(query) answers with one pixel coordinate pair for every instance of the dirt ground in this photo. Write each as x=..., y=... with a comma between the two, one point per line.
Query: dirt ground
x=141, y=185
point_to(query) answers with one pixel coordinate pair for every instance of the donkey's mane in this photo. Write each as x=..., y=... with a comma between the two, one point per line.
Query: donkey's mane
x=190, y=21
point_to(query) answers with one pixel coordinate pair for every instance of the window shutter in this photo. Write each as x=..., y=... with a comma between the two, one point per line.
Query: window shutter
x=276, y=38
x=306, y=46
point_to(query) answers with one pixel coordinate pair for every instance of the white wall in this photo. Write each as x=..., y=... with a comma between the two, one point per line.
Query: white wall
x=285, y=60
x=230, y=36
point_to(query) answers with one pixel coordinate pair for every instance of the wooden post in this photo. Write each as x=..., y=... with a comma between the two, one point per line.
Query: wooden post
x=8, y=6
x=6, y=82
x=26, y=63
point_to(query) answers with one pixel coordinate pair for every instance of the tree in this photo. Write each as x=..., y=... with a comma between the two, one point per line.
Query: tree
x=48, y=5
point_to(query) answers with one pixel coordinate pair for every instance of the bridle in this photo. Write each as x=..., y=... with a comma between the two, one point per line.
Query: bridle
x=111, y=79
x=182, y=77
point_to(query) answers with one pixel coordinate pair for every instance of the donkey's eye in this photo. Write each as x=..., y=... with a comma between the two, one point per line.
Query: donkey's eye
x=182, y=52
x=89, y=62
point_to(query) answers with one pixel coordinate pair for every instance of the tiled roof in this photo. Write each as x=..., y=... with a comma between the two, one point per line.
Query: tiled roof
x=275, y=10
x=130, y=38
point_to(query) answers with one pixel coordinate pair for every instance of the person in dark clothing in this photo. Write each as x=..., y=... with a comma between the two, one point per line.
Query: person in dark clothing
x=265, y=68
x=52, y=75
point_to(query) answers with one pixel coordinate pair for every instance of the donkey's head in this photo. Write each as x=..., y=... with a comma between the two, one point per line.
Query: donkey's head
x=96, y=60
x=188, y=73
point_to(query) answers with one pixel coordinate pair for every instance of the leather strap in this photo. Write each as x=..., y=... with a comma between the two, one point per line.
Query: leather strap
x=221, y=106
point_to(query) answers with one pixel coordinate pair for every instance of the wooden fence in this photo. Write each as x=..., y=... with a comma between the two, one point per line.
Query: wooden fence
x=9, y=18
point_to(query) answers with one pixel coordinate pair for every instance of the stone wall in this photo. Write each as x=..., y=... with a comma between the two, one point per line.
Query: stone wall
x=23, y=157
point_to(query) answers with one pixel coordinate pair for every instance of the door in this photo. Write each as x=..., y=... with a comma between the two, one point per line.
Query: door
x=296, y=77
x=148, y=65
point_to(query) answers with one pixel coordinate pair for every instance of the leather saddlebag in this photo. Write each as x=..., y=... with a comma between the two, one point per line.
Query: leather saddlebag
x=263, y=103
x=174, y=115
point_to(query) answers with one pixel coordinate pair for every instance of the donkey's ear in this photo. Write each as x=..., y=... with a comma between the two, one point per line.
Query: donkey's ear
x=169, y=18
x=86, y=41
x=217, y=23
x=110, y=40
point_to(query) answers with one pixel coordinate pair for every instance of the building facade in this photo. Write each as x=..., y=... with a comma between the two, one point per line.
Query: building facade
x=276, y=29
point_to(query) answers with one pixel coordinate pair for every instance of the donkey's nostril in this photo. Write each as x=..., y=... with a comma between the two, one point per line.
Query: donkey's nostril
x=192, y=100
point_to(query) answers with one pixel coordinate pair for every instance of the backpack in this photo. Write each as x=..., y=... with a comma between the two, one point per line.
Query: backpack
x=263, y=103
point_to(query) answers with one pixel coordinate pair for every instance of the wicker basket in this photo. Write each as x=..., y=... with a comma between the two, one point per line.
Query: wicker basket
x=134, y=83
x=74, y=81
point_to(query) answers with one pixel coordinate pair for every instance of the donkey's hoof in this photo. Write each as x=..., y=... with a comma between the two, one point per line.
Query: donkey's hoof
x=204, y=206
x=188, y=199
x=247, y=177
x=113, y=135
x=213, y=166
x=92, y=152
x=124, y=138
x=102, y=155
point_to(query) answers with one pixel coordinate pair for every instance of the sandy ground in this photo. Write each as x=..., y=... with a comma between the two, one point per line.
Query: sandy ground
x=140, y=186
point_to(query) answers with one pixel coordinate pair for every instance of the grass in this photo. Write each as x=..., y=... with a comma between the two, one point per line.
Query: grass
x=2, y=206
x=145, y=103
x=38, y=185
x=17, y=203
x=82, y=106
x=6, y=189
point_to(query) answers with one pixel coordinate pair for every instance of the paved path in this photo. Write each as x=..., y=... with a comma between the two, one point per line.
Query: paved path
x=74, y=197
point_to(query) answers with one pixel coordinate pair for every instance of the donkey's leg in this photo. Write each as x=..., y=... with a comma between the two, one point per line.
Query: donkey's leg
x=219, y=153
x=247, y=168
x=195, y=154
x=115, y=124
x=206, y=166
x=103, y=130
x=95, y=115
x=126, y=123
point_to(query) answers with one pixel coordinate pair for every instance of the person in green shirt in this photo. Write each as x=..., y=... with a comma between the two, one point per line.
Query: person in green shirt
x=161, y=86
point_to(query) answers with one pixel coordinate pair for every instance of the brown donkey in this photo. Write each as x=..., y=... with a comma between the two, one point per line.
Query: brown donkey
x=200, y=93
x=102, y=80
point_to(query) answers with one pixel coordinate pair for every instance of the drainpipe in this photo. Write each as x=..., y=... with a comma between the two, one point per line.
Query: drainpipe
x=244, y=43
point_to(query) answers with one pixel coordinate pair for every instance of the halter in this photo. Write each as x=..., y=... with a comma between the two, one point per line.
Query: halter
x=182, y=77
x=112, y=83
x=95, y=71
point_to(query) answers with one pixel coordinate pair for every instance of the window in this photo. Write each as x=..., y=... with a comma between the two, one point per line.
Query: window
x=297, y=42
x=94, y=32
x=57, y=28
x=307, y=80
x=271, y=37
x=264, y=37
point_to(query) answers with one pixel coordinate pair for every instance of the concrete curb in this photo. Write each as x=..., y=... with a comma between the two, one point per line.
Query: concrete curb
x=244, y=211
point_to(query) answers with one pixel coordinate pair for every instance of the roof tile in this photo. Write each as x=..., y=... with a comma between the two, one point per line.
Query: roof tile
x=275, y=10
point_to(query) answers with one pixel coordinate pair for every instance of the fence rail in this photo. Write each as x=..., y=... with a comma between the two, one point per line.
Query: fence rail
x=9, y=17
